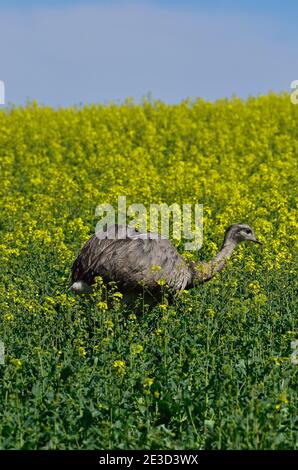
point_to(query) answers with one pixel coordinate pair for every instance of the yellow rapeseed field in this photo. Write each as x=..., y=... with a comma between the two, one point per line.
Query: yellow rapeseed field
x=213, y=370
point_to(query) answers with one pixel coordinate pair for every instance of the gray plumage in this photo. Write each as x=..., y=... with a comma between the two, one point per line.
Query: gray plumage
x=136, y=260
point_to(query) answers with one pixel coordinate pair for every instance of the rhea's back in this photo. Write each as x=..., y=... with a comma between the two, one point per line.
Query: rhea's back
x=131, y=258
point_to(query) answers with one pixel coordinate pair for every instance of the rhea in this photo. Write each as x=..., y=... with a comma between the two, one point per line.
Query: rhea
x=138, y=261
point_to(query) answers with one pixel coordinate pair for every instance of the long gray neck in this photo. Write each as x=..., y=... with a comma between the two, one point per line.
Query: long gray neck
x=204, y=271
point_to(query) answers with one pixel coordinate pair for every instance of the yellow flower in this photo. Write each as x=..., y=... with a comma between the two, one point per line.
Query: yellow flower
x=158, y=331
x=8, y=317
x=136, y=349
x=132, y=316
x=148, y=381
x=163, y=306
x=210, y=312
x=155, y=268
x=16, y=362
x=255, y=286
x=119, y=365
x=184, y=292
x=82, y=351
x=117, y=295
x=102, y=306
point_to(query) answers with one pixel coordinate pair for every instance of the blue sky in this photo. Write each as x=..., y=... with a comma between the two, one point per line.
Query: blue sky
x=71, y=52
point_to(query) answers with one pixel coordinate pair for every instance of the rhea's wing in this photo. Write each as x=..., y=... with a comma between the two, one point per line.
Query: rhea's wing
x=85, y=266
x=82, y=269
x=132, y=261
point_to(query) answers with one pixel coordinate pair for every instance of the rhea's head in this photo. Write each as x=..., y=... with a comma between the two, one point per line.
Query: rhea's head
x=237, y=233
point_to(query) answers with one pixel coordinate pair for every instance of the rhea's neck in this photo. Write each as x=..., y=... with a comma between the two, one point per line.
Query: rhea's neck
x=204, y=271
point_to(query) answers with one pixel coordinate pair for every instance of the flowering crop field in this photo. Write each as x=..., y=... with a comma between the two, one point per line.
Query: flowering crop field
x=216, y=369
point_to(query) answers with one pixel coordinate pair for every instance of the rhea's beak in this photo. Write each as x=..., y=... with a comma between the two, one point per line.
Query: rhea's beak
x=255, y=240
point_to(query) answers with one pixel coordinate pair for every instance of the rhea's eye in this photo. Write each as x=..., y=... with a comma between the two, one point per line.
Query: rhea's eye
x=247, y=230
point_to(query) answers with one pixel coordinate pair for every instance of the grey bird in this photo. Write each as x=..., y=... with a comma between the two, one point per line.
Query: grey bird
x=138, y=261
